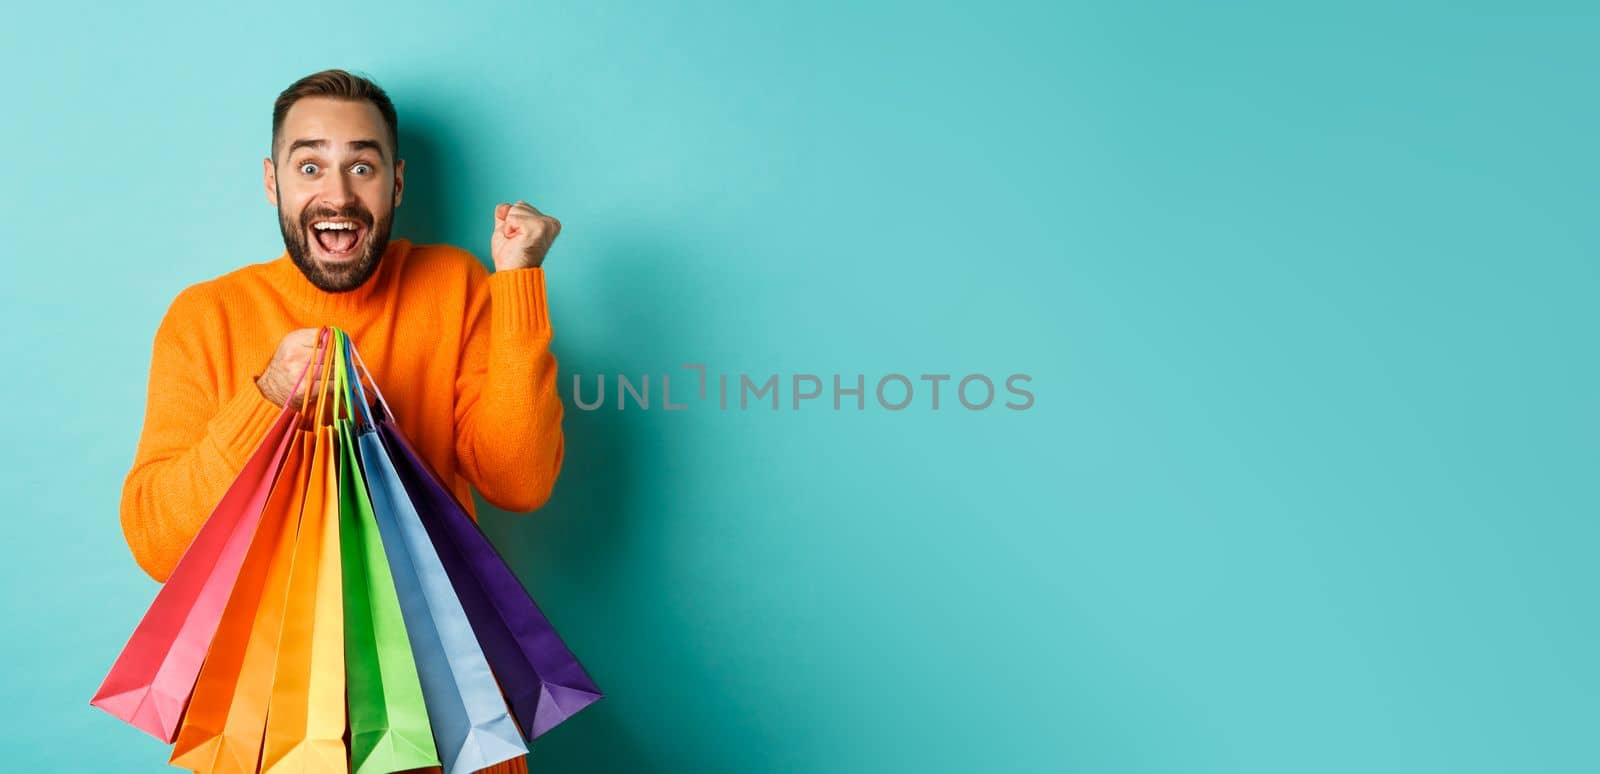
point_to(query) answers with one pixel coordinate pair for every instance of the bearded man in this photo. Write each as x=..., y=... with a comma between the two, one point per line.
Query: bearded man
x=462, y=354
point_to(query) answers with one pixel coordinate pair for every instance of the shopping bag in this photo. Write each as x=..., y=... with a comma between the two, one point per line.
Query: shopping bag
x=225, y=724
x=222, y=729
x=306, y=708
x=151, y=681
x=472, y=727
x=539, y=675
x=389, y=728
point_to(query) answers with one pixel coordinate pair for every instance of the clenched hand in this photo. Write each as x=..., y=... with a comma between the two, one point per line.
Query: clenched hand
x=294, y=352
x=522, y=236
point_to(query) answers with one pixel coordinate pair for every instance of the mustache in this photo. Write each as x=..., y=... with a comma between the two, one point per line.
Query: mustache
x=358, y=214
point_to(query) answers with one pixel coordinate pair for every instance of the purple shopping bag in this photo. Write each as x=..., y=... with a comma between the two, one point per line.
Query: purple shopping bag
x=540, y=677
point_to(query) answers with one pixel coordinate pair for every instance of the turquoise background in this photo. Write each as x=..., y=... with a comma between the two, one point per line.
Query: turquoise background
x=1308, y=296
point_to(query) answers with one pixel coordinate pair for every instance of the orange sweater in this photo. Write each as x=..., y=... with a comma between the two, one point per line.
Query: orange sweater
x=462, y=356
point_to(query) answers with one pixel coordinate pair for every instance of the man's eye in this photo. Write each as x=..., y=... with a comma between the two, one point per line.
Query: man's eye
x=308, y=168
x=361, y=169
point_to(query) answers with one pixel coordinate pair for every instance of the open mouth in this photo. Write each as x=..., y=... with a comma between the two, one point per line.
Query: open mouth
x=338, y=239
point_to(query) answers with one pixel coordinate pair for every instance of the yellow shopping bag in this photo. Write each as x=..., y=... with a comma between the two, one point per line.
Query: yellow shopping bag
x=306, y=710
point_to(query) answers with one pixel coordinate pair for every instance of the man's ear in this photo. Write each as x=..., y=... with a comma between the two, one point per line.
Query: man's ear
x=399, y=180
x=269, y=178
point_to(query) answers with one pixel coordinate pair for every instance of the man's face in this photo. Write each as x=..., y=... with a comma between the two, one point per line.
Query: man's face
x=336, y=185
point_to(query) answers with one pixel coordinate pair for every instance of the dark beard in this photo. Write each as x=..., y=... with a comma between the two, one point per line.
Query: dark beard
x=338, y=279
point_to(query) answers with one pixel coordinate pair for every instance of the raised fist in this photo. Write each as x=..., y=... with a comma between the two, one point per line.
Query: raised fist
x=522, y=236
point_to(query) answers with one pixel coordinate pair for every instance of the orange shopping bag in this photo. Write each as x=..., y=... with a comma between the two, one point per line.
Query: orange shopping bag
x=223, y=729
x=306, y=709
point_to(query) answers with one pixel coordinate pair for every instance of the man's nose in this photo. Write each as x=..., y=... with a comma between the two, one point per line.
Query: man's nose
x=339, y=192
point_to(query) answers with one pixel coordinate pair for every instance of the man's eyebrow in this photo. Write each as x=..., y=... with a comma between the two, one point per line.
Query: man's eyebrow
x=320, y=143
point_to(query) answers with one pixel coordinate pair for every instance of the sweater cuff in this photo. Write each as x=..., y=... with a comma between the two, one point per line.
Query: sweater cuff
x=241, y=424
x=517, y=302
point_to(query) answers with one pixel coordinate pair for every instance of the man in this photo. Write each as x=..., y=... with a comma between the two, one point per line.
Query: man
x=462, y=355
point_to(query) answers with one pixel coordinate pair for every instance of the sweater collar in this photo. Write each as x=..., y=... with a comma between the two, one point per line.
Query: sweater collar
x=315, y=301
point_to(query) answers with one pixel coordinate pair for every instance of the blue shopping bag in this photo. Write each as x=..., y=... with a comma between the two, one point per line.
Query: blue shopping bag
x=472, y=726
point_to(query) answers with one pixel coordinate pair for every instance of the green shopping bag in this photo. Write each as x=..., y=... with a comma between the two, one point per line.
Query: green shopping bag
x=389, y=729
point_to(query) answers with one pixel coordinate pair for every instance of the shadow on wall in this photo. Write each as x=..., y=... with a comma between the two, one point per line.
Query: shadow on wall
x=576, y=543
x=575, y=553
x=432, y=208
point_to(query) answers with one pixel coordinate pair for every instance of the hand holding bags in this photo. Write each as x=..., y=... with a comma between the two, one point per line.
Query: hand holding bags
x=339, y=594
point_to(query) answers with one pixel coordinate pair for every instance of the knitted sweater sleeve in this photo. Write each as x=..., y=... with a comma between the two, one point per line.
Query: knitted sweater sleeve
x=508, y=413
x=193, y=444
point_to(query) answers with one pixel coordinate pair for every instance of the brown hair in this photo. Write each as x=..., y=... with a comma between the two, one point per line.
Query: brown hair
x=339, y=85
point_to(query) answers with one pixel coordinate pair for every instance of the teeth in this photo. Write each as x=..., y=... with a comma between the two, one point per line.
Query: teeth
x=334, y=226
